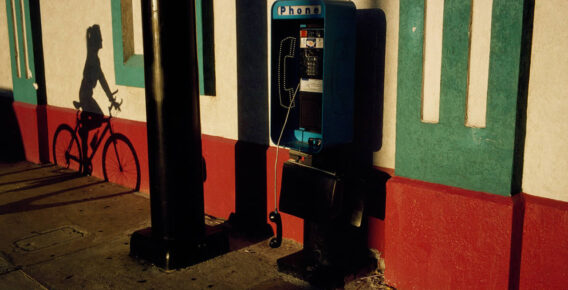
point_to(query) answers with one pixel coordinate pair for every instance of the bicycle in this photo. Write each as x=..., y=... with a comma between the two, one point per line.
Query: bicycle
x=120, y=167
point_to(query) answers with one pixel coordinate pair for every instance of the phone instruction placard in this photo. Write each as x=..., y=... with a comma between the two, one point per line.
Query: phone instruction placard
x=311, y=67
x=311, y=86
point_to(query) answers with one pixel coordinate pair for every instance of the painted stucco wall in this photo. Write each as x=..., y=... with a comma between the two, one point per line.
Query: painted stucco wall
x=64, y=27
x=546, y=153
x=64, y=30
x=64, y=33
x=219, y=115
x=5, y=65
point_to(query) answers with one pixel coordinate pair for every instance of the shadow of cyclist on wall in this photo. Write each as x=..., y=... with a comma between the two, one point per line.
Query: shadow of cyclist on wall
x=92, y=116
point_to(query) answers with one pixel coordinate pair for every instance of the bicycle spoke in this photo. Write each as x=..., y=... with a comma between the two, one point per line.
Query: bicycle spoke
x=66, y=150
x=121, y=165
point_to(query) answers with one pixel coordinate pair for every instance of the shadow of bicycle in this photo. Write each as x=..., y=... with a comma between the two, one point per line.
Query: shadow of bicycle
x=72, y=147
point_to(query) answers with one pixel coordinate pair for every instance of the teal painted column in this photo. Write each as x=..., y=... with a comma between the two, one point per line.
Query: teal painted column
x=205, y=46
x=129, y=69
x=483, y=159
x=22, y=52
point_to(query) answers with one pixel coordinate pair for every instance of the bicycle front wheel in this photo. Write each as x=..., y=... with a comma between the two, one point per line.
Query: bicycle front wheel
x=120, y=163
x=66, y=148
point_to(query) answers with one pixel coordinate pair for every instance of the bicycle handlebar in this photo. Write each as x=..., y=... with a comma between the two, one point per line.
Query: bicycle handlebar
x=115, y=105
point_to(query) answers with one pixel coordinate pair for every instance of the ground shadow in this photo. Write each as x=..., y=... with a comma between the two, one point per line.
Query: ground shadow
x=40, y=181
x=24, y=170
x=28, y=204
x=32, y=203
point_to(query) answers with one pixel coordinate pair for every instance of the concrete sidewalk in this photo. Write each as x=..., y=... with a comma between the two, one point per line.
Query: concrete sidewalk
x=61, y=230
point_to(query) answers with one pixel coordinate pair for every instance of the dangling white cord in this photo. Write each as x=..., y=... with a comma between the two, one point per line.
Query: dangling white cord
x=278, y=147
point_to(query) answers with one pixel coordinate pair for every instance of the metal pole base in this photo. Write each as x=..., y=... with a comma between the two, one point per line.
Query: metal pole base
x=177, y=254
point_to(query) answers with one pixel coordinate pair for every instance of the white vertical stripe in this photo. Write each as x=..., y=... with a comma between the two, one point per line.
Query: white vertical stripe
x=432, y=66
x=25, y=38
x=16, y=43
x=137, y=27
x=480, y=46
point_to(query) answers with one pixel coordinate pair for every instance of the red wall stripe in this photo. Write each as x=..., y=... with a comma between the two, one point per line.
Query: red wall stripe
x=27, y=121
x=432, y=236
x=544, y=258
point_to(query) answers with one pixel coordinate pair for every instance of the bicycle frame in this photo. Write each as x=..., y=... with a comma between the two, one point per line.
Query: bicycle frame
x=119, y=161
x=99, y=141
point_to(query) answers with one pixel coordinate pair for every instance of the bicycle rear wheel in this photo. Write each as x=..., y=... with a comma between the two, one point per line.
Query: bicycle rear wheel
x=120, y=163
x=66, y=148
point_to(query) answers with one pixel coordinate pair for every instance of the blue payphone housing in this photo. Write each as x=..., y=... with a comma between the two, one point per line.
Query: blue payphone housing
x=313, y=47
x=312, y=67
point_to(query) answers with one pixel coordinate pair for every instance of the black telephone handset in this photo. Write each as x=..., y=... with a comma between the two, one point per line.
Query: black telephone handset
x=275, y=218
x=286, y=53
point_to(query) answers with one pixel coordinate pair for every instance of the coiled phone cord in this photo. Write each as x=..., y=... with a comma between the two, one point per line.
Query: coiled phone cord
x=278, y=145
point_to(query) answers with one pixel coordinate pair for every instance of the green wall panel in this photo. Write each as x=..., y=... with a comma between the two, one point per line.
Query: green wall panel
x=448, y=152
x=130, y=72
x=23, y=85
x=205, y=46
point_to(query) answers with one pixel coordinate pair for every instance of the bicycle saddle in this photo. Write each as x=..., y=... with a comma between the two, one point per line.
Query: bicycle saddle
x=77, y=105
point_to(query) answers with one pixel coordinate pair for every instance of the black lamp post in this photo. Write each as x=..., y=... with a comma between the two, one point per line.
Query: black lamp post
x=178, y=236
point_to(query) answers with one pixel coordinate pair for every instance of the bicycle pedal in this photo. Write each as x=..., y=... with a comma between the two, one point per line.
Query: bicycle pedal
x=87, y=170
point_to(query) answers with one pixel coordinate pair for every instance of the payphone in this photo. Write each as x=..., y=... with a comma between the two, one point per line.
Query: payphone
x=312, y=87
x=313, y=53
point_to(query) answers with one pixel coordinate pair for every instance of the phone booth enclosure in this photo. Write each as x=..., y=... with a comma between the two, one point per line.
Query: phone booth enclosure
x=312, y=63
